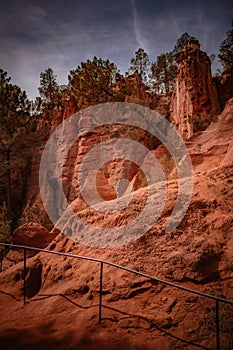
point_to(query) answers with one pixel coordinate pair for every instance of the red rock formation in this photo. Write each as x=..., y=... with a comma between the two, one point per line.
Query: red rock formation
x=114, y=170
x=195, y=94
x=70, y=108
x=57, y=116
x=131, y=89
x=30, y=234
x=198, y=254
x=136, y=87
x=213, y=147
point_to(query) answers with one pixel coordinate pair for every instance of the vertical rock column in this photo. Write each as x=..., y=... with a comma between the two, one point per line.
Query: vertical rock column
x=195, y=94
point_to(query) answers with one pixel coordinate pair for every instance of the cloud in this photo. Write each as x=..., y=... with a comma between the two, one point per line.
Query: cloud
x=61, y=38
x=136, y=27
x=37, y=34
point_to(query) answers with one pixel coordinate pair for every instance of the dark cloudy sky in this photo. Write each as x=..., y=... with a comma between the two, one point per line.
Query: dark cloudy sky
x=37, y=34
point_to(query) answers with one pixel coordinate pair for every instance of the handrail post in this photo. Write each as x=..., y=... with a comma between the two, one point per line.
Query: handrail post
x=24, y=274
x=217, y=326
x=100, y=296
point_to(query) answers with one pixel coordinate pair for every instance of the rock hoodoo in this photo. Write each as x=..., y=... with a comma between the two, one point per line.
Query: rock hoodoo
x=131, y=89
x=194, y=99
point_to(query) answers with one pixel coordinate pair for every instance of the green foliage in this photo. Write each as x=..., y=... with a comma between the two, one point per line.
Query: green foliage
x=31, y=213
x=201, y=122
x=164, y=69
x=49, y=90
x=140, y=64
x=18, y=139
x=226, y=50
x=14, y=117
x=5, y=233
x=212, y=58
x=183, y=41
x=92, y=81
x=36, y=106
x=3, y=78
x=163, y=72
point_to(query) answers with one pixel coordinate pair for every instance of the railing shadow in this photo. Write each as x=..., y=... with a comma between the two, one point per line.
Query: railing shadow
x=100, y=306
x=10, y=295
x=116, y=320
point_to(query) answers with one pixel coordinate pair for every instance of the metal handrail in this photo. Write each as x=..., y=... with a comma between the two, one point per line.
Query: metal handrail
x=102, y=262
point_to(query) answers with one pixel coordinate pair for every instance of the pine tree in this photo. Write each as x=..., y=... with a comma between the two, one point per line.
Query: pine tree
x=4, y=224
x=3, y=78
x=163, y=72
x=92, y=81
x=164, y=69
x=183, y=41
x=49, y=90
x=226, y=50
x=140, y=64
x=18, y=139
x=5, y=230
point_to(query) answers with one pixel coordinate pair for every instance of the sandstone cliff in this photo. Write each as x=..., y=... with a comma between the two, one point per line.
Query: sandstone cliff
x=194, y=100
x=63, y=294
x=138, y=313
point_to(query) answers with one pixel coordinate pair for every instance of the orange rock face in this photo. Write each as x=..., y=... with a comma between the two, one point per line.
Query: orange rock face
x=195, y=96
x=213, y=147
x=138, y=313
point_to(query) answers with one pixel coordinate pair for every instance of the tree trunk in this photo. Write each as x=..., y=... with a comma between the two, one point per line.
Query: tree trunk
x=8, y=187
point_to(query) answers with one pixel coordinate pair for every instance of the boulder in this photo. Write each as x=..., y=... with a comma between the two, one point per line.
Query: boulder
x=29, y=234
x=32, y=234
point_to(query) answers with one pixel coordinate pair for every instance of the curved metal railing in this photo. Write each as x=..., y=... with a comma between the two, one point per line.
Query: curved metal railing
x=104, y=262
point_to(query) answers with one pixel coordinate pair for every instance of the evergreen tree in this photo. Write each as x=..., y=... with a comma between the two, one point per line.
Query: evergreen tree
x=226, y=50
x=5, y=231
x=140, y=64
x=18, y=139
x=164, y=69
x=4, y=224
x=3, y=78
x=36, y=107
x=183, y=41
x=92, y=81
x=49, y=90
x=163, y=72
